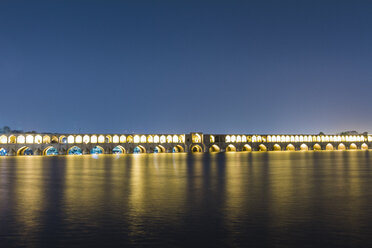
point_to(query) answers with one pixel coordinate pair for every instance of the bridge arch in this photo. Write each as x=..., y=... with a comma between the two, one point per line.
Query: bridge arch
x=50, y=150
x=353, y=146
x=54, y=139
x=3, y=152
x=29, y=139
x=317, y=147
x=62, y=139
x=341, y=147
x=290, y=147
x=79, y=139
x=262, y=148
x=214, y=148
x=177, y=149
x=329, y=147
x=25, y=151
x=115, y=139
x=12, y=139
x=159, y=149
x=3, y=139
x=46, y=139
x=247, y=148
x=304, y=147
x=97, y=150
x=364, y=146
x=38, y=139
x=21, y=139
x=196, y=149
x=118, y=150
x=277, y=147
x=130, y=139
x=74, y=150
x=230, y=148
x=139, y=149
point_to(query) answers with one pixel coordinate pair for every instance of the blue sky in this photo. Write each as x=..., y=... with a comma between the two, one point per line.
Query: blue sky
x=182, y=66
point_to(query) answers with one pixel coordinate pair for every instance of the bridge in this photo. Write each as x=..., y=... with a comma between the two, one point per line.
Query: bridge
x=77, y=144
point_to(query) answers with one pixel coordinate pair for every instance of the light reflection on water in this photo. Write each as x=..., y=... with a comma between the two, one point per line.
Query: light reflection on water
x=267, y=199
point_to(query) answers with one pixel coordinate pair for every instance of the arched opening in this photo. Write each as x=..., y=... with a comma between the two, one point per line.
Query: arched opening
x=96, y=150
x=162, y=139
x=123, y=139
x=159, y=149
x=130, y=139
x=118, y=150
x=247, y=148
x=29, y=139
x=304, y=147
x=196, y=138
x=290, y=147
x=214, y=148
x=54, y=139
x=156, y=139
x=46, y=139
x=139, y=149
x=38, y=139
x=169, y=139
x=115, y=139
x=177, y=149
x=12, y=139
x=3, y=139
x=75, y=150
x=3, y=152
x=21, y=139
x=71, y=139
x=364, y=146
x=25, y=151
x=50, y=151
x=136, y=139
x=108, y=139
x=196, y=149
x=353, y=146
x=150, y=139
x=101, y=139
x=93, y=139
x=79, y=139
x=62, y=139
x=262, y=148
x=317, y=147
x=277, y=147
x=329, y=147
x=143, y=139
x=230, y=148
x=341, y=147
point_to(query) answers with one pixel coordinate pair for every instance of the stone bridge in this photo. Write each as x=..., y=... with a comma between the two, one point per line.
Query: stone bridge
x=77, y=144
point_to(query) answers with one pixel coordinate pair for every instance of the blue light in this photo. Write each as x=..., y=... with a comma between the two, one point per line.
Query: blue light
x=75, y=151
x=96, y=150
x=3, y=152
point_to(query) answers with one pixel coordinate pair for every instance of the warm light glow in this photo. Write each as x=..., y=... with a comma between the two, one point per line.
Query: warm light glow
x=115, y=139
x=93, y=139
x=86, y=139
x=175, y=139
x=29, y=139
x=70, y=139
x=78, y=139
x=101, y=139
x=169, y=139
x=38, y=139
x=156, y=139
x=136, y=139
x=162, y=139
x=3, y=139
x=143, y=139
x=21, y=139
x=123, y=139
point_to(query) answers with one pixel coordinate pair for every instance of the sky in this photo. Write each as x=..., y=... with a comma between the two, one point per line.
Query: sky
x=185, y=66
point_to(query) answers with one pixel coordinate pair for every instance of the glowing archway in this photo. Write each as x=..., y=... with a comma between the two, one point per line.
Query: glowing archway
x=12, y=139
x=304, y=147
x=196, y=149
x=317, y=147
x=290, y=147
x=247, y=148
x=139, y=149
x=3, y=152
x=3, y=139
x=159, y=149
x=277, y=147
x=214, y=148
x=341, y=147
x=230, y=148
x=75, y=150
x=262, y=148
x=118, y=150
x=177, y=149
x=50, y=151
x=353, y=146
x=62, y=139
x=25, y=151
x=364, y=146
x=329, y=147
x=46, y=139
x=97, y=150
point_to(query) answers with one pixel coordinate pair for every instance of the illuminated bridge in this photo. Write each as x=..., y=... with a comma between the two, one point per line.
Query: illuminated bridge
x=77, y=144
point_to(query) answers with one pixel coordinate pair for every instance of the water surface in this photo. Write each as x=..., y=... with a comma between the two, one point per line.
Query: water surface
x=272, y=199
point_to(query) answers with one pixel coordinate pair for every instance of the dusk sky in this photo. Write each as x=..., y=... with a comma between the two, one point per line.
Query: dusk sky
x=183, y=66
